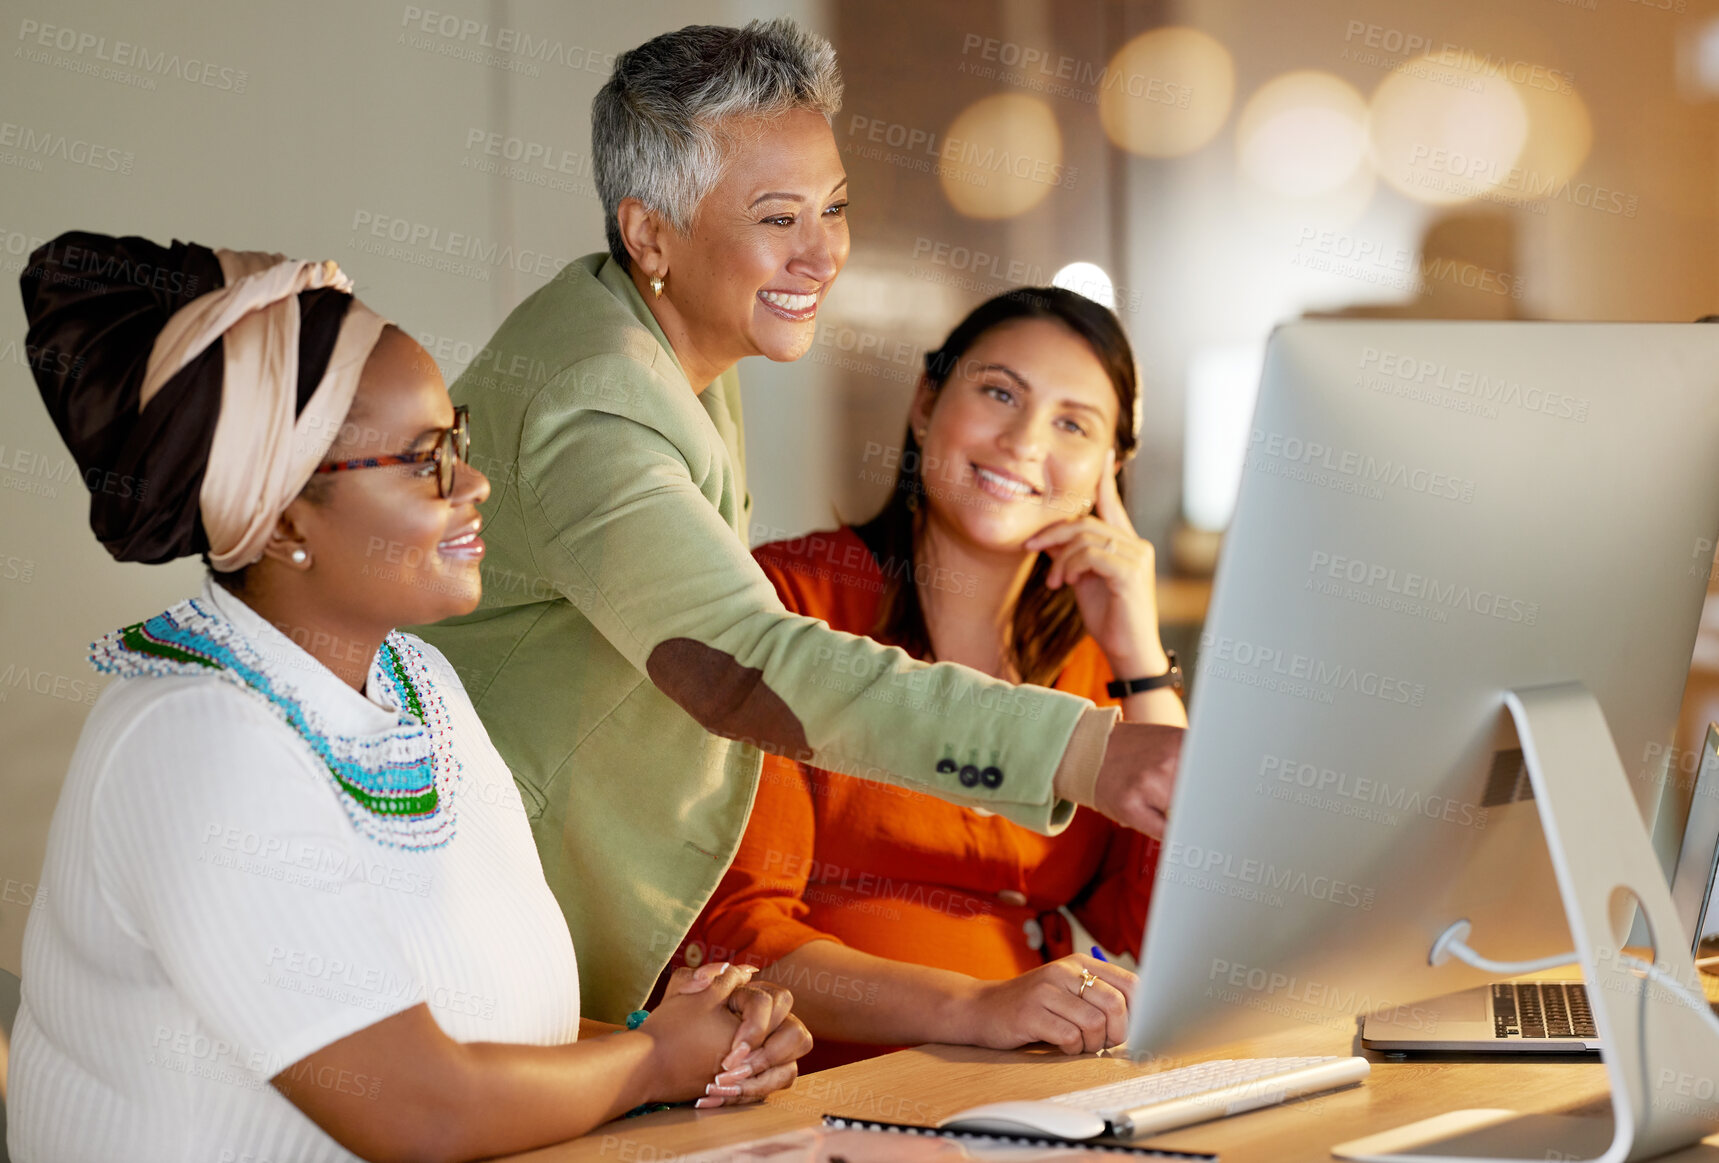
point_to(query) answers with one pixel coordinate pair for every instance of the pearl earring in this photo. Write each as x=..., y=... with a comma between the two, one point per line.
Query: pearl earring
x=299, y=556
x=657, y=286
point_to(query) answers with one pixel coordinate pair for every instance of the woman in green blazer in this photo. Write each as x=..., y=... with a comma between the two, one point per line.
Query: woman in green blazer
x=629, y=658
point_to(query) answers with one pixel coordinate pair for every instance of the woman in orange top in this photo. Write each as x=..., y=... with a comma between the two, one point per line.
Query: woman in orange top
x=898, y=918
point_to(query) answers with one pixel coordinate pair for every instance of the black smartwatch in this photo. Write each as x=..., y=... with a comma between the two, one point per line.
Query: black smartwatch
x=1123, y=687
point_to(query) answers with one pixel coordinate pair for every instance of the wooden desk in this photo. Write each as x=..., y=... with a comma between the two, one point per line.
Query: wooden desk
x=928, y=1083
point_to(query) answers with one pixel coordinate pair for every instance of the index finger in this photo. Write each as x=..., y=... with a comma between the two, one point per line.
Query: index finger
x=730, y=978
x=761, y=1011
x=1109, y=506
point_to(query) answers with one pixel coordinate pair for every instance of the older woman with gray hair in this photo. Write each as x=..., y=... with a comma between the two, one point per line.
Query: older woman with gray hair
x=629, y=657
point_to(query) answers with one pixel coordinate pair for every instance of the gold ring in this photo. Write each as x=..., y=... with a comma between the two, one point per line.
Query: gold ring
x=1087, y=977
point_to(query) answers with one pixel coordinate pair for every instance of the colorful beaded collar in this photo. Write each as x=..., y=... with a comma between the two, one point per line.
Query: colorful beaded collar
x=397, y=786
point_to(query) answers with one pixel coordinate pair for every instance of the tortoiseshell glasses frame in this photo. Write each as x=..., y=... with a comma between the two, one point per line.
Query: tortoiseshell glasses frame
x=450, y=450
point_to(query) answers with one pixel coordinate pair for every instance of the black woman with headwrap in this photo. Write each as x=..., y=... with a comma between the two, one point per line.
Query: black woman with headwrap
x=291, y=904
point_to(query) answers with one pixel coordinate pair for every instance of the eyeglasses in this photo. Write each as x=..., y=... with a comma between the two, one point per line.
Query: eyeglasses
x=449, y=451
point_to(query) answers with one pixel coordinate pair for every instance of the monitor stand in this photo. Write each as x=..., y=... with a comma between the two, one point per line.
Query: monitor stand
x=1662, y=1058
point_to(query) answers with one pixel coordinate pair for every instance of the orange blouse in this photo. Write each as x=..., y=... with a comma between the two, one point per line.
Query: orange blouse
x=898, y=873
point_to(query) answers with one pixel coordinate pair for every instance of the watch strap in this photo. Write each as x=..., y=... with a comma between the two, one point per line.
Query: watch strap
x=1123, y=687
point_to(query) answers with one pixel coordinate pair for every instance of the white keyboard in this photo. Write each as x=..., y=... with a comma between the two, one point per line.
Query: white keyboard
x=1149, y=1104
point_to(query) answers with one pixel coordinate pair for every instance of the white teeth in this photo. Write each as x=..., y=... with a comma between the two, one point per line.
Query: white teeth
x=462, y=539
x=789, y=302
x=1008, y=484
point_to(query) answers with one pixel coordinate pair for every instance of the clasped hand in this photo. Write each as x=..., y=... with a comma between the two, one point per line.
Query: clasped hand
x=723, y=1037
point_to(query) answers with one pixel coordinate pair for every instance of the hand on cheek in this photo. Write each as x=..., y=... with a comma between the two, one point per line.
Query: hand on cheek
x=1114, y=574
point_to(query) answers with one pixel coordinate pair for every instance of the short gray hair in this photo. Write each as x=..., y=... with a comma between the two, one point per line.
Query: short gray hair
x=653, y=123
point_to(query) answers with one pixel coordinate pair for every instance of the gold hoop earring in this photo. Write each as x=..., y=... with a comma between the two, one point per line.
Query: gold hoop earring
x=657, y=286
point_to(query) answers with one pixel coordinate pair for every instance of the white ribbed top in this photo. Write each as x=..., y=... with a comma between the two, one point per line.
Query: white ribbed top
x=211, y=917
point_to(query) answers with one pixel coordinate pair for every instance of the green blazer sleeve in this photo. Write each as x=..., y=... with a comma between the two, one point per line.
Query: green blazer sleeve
x=619, y=521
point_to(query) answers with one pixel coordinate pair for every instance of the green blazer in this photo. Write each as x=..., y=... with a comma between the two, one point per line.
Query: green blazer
x=629, y=658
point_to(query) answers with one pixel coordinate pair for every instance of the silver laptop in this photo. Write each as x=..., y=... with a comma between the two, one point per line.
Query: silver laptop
x=1553, y=1017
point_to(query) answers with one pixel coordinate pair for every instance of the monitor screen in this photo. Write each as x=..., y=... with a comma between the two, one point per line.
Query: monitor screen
x=1431, y=514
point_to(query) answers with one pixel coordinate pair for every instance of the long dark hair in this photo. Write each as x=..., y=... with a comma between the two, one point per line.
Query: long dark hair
x=1046, y=625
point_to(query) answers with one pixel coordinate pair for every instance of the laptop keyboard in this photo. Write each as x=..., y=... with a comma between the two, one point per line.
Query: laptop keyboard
x=1542, y=1010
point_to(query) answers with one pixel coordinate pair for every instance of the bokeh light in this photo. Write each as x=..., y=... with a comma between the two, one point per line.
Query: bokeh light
x=1001, y=156
x=1560, y=133
x=1444, y=134
x=1089, y=279
x=1167, y=92
x=1303, y=134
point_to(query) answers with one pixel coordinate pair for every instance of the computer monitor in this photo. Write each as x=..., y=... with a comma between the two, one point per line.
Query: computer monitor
x=1432, y=514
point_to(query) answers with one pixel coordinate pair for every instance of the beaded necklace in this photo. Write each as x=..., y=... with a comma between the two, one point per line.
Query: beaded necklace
x=397, y=786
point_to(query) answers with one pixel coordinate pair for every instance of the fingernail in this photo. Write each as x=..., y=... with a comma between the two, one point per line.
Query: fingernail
x=707, y=1103
x=736, y=1056
x=725, y=1091
x=738, y=1074
x=721, y=968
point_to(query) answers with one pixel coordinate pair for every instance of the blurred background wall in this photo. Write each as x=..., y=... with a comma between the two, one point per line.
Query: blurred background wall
x=1221, y=165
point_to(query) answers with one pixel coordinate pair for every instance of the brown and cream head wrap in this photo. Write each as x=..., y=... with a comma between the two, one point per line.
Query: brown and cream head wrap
x=213, y=381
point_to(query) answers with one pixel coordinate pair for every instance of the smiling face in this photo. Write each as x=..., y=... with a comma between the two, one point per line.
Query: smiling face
x=767, y=242
x=386, y=548
x=1016, y=437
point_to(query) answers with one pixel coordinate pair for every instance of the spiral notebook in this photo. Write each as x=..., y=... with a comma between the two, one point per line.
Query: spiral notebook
x=951, y=1145
x=844, y=1140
